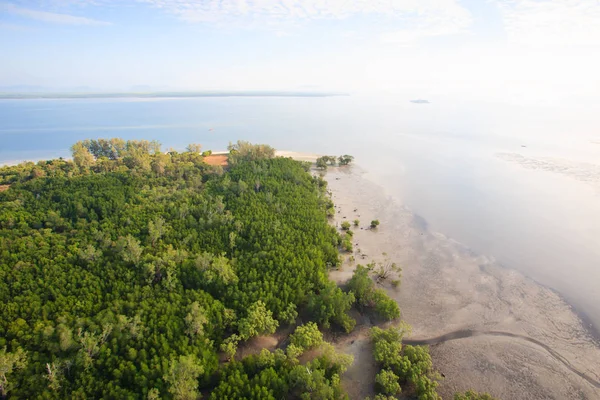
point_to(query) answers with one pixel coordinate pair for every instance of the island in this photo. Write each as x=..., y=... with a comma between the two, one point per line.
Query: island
x=130, y=272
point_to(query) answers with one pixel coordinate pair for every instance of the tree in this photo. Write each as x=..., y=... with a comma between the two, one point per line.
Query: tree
x=345, y=159
x=387, y=382
x=90, y=343
x=81, y=156
x=394, y=333
x=347, y=244
x=117, y=147
x=245, y=151
x=156, y=229
x=321, y=163
x=65, y=337
x=89, y=253
x=387, y=347
x=380, y=396
x=137, y=156
x=193, y=148
x=216, y=268
x=345, y=225
x=54, y=375
x=356, y=222
x=229, y=346
x=384, y=306
x=182, y=377
x=9, y=362
x=131, y=251
x=413, y=363
x=307, y=336
x=160, y=162
x=195, y=320
x=367, y=296
x=362, y=286
x=388, y=354
x=331, y=304
x=259, y=321
x=426, y=388
x=290, y=314
x=420, y=361
x=472, y=395
x=374, y=223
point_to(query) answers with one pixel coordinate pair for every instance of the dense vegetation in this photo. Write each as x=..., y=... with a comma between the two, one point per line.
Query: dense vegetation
x=279, y=374
x=130, y=273
x=402, y=365
x=124, y=272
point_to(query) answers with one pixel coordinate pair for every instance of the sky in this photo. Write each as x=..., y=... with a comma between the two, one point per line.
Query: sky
x=508, y=50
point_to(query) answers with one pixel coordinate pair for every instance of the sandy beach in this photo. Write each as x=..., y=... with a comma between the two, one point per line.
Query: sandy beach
x=500, y=331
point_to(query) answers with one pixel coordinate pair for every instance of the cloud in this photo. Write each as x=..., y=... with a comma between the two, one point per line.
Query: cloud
x=419, y=17
x=429, y=18
x=49, y=17
x=552, y=22
x=14, y=27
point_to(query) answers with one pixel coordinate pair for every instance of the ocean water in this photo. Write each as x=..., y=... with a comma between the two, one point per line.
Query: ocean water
x=520, y=185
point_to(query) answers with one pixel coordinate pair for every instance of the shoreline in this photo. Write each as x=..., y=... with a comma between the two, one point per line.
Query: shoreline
x=446, y=287
x=587, y=321
x=449, y=292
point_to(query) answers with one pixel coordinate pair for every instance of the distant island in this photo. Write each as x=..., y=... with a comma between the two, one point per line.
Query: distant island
x=110, y=95
x=420, y=101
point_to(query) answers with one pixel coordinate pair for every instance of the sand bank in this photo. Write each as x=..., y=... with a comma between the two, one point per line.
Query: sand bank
x=447, y=288
x=297, y=155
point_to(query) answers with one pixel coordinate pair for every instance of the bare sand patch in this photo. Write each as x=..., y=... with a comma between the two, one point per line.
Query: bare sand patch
x=255, y=345
x=217, y=159
x=446, y=287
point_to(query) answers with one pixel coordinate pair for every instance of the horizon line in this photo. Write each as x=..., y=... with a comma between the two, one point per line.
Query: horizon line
x=167, y=94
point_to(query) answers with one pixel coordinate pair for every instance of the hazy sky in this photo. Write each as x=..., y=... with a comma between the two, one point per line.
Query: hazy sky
x=485, y=49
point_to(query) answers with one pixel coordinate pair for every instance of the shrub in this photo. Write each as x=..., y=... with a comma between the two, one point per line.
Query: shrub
x=387, y=382
x=472, y=395
x=347, y=245
x=385, y=306
x=331, y=304
x=367, y=296
x=307, y=336
x=290, y=314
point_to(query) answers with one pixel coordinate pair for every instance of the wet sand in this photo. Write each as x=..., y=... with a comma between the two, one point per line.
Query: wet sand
x=530, y=344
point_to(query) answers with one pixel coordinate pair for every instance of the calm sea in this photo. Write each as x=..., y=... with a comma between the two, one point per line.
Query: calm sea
x=518, y=184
